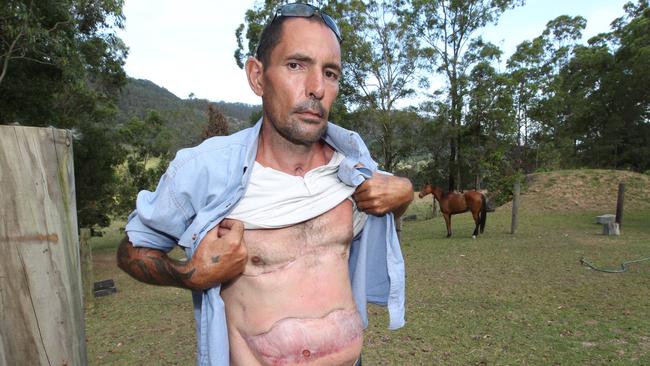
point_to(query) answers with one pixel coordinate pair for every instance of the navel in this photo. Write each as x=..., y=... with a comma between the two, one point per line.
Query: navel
x=256, y=260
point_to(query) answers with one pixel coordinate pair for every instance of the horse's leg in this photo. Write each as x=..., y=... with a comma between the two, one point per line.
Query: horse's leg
x=477, y=221
x=448, y=222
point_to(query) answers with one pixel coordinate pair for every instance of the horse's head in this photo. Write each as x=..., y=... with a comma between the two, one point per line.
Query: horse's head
x=426, y=189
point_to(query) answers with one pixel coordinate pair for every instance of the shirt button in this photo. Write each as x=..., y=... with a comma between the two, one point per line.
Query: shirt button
x=193, y=236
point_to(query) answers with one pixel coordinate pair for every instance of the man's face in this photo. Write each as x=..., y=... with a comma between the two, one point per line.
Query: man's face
x=301, y=80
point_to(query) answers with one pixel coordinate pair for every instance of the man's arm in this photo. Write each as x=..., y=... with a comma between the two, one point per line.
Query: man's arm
x=220, y=256
x=384, y=193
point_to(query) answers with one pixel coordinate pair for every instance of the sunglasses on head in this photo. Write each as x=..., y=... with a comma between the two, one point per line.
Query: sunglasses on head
x=307, y=11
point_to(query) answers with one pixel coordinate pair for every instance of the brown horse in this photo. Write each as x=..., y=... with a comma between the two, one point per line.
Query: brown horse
x=452, y=203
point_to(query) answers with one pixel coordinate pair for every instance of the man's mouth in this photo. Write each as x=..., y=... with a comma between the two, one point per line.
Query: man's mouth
x=311, y=110
x=310, y=116
x=312, y=113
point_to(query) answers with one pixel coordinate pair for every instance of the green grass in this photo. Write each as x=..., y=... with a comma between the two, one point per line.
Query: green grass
x=502, y=299
x=520, y=299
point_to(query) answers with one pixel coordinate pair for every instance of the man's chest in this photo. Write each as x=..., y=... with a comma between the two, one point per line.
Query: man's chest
x=329, y=233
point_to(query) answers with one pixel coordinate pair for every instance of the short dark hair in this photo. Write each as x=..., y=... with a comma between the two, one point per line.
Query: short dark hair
x=271, y=36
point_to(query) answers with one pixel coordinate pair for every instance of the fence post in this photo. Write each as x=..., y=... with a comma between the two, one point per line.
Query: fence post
x=41, y=321
x=87, y=278
x=435, y=207
x=619, y=205
x=515, y=206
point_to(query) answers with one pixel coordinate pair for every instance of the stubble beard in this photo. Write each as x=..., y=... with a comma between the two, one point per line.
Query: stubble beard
x=301, y=131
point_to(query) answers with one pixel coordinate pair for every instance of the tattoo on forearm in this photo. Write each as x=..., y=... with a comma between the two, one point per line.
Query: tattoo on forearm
x=153, y=269
x=216, y=258
x=166, y=269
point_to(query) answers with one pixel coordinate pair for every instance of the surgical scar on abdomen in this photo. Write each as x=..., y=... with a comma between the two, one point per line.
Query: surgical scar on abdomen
x=291, y=340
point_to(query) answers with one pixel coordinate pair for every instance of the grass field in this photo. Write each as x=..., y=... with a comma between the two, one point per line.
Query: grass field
x=501, y=299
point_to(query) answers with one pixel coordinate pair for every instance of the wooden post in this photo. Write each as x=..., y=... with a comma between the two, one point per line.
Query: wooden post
x=515, y=207
x=435, y=207
x=619, y=205
x=41, y=316
x=87, y=278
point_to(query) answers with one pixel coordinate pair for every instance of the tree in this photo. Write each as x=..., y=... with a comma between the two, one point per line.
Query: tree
x=489, y=121
x=147, y=143
x=539, y=100
x=446, y=28
x=382, y=60
x=607, y=95
x=217, y=123
x=62, y=66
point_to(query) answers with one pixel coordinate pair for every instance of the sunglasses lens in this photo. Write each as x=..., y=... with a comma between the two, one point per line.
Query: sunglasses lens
x=332, y=25
x=297, y=10
x=306, y=11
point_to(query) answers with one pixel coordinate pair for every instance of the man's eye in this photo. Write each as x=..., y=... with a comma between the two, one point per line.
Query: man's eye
x=331, y=75
x=293, y=65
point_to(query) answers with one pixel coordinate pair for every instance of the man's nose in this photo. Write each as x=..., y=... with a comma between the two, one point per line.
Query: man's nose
x=315, y=85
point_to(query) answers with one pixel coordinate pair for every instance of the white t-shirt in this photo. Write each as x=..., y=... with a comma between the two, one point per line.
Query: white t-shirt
x=275, y=199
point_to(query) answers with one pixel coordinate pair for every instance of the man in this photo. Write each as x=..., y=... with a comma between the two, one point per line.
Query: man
x=266, y=220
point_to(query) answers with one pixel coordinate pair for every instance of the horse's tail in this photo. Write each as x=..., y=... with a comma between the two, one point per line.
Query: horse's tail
x=483, y=212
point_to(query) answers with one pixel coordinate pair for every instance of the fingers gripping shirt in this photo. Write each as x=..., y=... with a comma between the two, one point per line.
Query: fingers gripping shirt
x=275, y=199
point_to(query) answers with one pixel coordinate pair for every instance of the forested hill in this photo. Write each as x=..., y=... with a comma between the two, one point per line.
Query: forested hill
x=185, y=117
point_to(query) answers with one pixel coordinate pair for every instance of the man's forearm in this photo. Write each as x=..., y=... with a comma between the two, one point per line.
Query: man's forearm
x=153, y=266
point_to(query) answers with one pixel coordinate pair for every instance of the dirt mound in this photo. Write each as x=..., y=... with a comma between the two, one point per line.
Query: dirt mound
x=583, y=190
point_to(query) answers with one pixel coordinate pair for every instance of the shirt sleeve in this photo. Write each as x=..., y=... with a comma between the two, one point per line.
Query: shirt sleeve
x=160, y=217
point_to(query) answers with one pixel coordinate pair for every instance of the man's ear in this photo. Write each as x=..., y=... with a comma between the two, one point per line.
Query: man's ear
x=254, y=72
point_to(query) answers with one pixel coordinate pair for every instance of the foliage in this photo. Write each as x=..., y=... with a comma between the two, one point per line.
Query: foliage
x=148, y=145
x=489, y=122
x=382, y=59
x=446, y=29
x=184, y=117
x=608, y=96
x=217, y=124
x=62, y=66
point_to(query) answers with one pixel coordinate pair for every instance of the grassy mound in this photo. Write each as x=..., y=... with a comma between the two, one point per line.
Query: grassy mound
x=584, y=190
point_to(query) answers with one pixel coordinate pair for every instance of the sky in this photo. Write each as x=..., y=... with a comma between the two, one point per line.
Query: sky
x=188, y=46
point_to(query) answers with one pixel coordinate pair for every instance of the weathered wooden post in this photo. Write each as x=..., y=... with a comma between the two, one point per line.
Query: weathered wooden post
x=619, y=205
x=515, y=206
x=87, y=278
x=41, y=312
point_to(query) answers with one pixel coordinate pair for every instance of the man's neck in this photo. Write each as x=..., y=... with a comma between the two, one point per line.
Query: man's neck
x=274, y=151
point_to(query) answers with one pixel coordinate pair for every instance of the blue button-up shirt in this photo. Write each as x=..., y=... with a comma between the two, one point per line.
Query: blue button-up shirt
x=204, y=183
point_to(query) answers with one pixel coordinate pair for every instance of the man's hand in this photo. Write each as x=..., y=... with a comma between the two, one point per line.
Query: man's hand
x=220, y=256
x=384, y=193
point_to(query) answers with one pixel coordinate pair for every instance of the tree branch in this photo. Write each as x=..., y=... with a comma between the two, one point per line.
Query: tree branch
x=7, y=56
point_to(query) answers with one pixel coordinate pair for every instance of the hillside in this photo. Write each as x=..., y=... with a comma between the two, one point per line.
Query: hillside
x=584, y=190
x=186, y=117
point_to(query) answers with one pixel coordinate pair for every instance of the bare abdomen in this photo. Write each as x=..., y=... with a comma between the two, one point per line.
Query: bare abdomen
x=293, y=305
x=295, y=341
